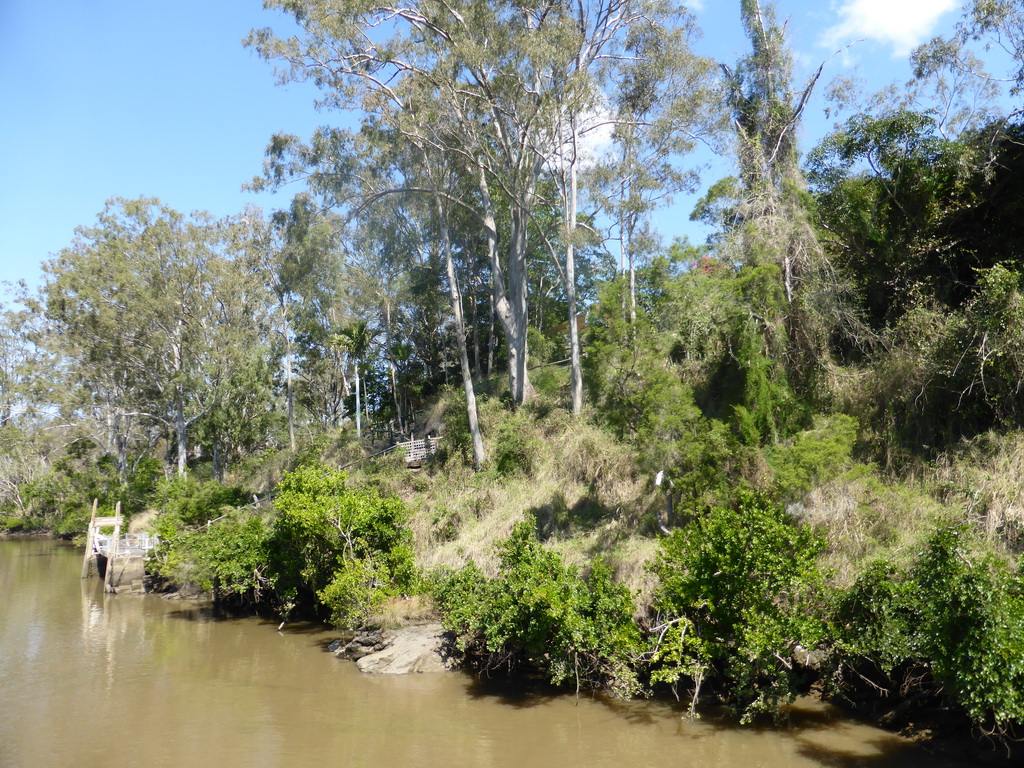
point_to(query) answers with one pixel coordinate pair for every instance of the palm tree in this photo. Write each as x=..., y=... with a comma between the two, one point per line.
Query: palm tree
x=356, y=337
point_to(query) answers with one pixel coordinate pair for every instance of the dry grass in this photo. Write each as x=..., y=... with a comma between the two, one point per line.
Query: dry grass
x=986, y=477
x=582, y=488
x=865, y=518
x=402, y=611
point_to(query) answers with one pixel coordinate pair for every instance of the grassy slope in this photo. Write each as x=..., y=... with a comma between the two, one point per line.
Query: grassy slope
x=589, y=499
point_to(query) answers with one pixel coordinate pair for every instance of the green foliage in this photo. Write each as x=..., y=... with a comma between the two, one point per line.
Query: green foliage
x=737, y=593
x=326, y=548
x=753, y=372
x=19, y=524
x=543, y=349
x=880, y=619
x=229, y=555
x=357, y=591
x=72, y=524
x=61, y=498
x=813, y=457
x=159, y=323
x=973, y=628
x=539, y=611
x=716, y=331
x=195, y=502
x=644, y=398
x=915, y=215
x=514, y=447
x=550, y=382
x=324, y=527
x=956, y=614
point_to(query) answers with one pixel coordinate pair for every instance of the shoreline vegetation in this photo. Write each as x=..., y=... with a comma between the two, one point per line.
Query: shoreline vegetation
x=887, y=597
x=787, y=459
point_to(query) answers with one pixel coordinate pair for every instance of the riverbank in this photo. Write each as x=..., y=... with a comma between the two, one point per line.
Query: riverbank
x=167, y=683
x=872, y=569
x=936, y=737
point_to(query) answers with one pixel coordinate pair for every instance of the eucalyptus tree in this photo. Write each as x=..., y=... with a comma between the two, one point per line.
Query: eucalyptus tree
x=386, y=251
x=307, y=276
x=462, y=65
x=98, y=311
x=410, y=175
x=995, y=25
x=301, y=241
x=476, y=82
x=627, y=66
x=378, y=259
x=236, y=355
x=323, y=369
x=14, y=354
x=435, y=172
x=662, y=105
x=135, y=311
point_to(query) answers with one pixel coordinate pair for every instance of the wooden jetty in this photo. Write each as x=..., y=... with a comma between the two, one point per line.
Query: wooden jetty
x=120, y=560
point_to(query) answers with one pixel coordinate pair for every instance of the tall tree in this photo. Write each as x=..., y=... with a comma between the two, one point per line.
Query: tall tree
x=13, y=355
x=135, y=309
x=236, y=354
x=480, y=81
x=664, y=103
x=771, y=223
x=355, y=338
x=301, y=246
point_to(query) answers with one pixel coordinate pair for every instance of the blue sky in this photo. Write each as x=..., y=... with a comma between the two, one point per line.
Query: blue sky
x=158, y=97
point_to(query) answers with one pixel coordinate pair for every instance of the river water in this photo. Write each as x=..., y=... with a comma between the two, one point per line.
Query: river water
x=88, y=679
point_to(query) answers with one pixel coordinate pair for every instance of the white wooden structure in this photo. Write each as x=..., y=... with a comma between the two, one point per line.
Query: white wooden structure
x=121, y=555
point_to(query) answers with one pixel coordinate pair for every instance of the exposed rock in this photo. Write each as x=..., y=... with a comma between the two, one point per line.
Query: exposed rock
x=363, y=644
x=411, y=649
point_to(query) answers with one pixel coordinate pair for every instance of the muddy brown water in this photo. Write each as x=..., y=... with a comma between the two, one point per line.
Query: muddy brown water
x=88, y=679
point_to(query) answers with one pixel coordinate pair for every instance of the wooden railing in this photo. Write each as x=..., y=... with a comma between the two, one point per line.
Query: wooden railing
x=417, y=451
x=129, y=545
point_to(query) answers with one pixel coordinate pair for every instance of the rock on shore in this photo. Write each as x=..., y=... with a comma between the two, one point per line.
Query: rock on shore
x=399, y=652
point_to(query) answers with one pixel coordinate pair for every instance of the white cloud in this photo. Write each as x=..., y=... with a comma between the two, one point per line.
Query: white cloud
x=903, y=24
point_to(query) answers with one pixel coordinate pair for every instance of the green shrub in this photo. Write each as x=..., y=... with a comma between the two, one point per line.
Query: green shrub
x=72, y=524
x=324, y=527
x=880, y=616
x=951, y=626
x=514, y=446
x=197, y=502
x=814, y=456
x=357, y=592
x=539, y=611
x=737, y=593
x=229, y=555
x=550, y=382
x=542, y=348
x=19, y=523
x=973, y=628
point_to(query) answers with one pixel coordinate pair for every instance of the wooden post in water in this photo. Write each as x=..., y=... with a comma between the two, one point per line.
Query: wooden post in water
x=108, y=582
x=90, y=556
